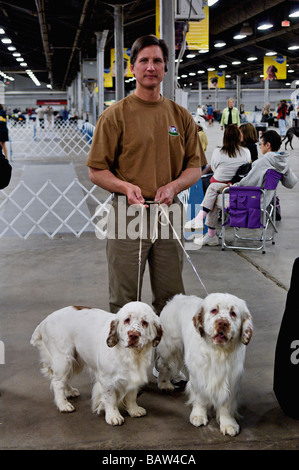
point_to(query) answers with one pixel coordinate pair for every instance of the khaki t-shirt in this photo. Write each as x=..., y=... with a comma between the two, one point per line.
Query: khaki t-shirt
x=146, y=143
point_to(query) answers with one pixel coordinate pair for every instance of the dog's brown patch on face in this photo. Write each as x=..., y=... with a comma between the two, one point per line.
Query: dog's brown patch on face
x=79, y=307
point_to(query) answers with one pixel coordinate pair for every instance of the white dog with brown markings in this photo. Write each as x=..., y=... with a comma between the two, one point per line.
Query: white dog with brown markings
x=117, y=348
x=207, y=337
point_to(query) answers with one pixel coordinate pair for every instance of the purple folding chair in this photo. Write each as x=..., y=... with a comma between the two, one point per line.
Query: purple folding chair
x=250, y=208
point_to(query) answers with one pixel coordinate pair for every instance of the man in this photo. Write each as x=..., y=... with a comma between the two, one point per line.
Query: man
x=230, y=115
x=145, y=147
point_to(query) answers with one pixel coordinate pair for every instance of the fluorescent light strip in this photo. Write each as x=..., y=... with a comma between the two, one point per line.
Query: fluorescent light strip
x=6, y=76
x=33, y=77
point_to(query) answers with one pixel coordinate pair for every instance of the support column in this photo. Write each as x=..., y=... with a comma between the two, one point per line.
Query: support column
x=101, y=41
x=119, y=52
x=168, y=34
x=79, y=95
x=238, y=92
x=200, y=93
x=266, y=92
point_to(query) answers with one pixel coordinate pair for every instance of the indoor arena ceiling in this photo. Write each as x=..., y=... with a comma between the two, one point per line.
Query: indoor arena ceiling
x=54, y=36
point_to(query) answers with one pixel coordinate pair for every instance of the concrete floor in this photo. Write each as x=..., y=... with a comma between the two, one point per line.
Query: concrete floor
x=40, y=275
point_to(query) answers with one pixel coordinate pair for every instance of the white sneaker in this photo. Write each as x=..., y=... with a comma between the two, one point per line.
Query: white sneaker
x=211, y=241
x=193, y=224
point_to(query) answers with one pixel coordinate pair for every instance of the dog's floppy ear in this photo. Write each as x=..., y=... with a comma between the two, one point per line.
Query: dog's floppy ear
x=198, y=321
x=159, y=333
x=112, y=339
x=247, y=327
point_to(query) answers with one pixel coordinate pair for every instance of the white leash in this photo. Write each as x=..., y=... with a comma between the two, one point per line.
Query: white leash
x=140, y=253
x=153, y=239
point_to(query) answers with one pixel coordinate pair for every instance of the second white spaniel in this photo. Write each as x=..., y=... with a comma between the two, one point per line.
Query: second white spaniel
x=208, y=337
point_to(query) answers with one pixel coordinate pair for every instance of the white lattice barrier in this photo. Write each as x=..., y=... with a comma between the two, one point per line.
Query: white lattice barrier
x=59, y=139
x=50, y=210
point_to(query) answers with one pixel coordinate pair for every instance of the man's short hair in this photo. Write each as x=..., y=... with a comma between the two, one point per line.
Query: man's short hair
x=146, y=41
x=273, y=138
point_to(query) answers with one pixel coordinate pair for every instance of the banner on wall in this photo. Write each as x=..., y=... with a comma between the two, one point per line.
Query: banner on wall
x=216, y=79
x=275, y=67
x=126, y=57
x=197, y=37
x=109, y=72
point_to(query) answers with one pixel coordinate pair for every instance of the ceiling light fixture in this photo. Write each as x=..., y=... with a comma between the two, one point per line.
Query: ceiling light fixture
x=23, y=64
x=211, y=69
x=251, y=59
x=2, y=31
x=200, y=71
x=212, y=2
x=203, y=51
x=246, y=29
x=33, y=77
x=265, y=26
x=11, y=48
x=6, y=41
x=190, y=56
x=220, y=44
x=240, y=36
x=236, y=62
x=293, y=48
x=271, y=53
x=16, y=54
x=223, y=66
x=295, y=14
x=6, y=76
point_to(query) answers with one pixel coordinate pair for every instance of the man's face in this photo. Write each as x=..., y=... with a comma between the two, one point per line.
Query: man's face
x=149, y=67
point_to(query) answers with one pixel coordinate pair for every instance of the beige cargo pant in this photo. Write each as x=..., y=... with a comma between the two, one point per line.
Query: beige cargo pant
x=164, y=255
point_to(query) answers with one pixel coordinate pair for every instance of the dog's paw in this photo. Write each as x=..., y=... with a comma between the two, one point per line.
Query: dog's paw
x=137, y=412
x=72, y=392
x=66, y=408
x=166, y=386
x=115, y=419
x=198, y=420
x=230, y=428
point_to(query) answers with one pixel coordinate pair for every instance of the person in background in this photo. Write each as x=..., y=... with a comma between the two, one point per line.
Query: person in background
x=224, y=163
x=65, y=114
x=249, y=138
x=281, y=116
x=201, y=128
x=242, y=113
x=266, y=112
x=230, y=115
x=3, y=131
x=200, y=111
x=210, y=112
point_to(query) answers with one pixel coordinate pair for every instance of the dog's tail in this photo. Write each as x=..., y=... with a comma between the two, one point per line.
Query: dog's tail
x=45, y=356
x=36, y=337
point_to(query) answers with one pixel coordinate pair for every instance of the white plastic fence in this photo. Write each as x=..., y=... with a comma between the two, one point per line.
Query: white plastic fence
x=50, y=210
x=30, y=139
